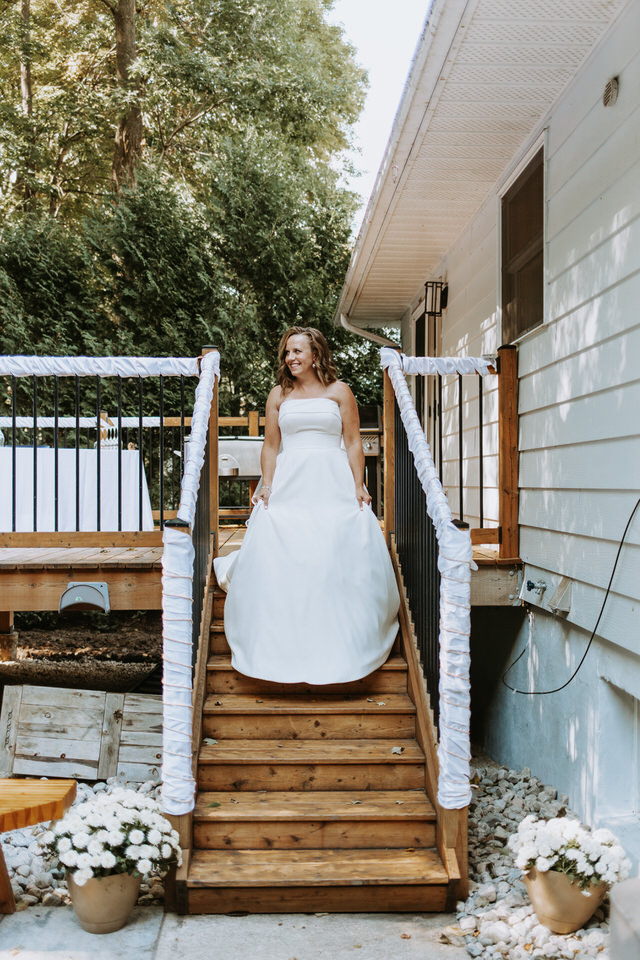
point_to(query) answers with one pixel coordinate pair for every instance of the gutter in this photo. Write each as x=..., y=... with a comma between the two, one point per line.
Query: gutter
x=366, y=334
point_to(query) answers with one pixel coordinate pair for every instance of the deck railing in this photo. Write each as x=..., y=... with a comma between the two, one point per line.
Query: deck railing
x=435, y=552
x=91, y=445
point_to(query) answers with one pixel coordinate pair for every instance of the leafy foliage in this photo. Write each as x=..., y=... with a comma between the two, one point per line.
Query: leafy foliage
x=237, y=225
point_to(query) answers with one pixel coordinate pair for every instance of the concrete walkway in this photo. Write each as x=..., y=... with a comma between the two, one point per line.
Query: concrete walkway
x=53, y=933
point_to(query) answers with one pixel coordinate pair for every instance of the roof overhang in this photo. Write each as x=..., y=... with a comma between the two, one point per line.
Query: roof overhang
x=483, y=79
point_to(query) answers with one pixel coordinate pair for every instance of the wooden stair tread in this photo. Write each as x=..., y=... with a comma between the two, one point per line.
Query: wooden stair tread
x=243, y=704
x=314, y=868
x=25, y=802
x=310, y=751
x=222, y=661
x=325, y=805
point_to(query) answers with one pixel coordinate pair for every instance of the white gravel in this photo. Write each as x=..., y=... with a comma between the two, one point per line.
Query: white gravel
x=35, y=881
x=495, y=921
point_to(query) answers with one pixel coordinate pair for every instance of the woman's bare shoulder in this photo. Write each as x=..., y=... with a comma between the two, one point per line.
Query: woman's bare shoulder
x=275, y=398
x=340, y=391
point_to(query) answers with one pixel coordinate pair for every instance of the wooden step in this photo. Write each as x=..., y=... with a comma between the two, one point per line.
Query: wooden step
x=311, y=765
x=308, y=716
x=391, y=677
x=284, y=881
x=219, y=598
x=217, y=639
x=315, y=819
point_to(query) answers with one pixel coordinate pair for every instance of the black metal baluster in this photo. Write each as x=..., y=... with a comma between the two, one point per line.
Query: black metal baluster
x=140, y=452
x=35, y=453
x=481, y=449
x=56, y=486
x=14, y=440
x=440, y=426
x=119, y=453
x=161, y=467
x=98, y=452
x=77, y=452
x=460, y=449
x=182, y=456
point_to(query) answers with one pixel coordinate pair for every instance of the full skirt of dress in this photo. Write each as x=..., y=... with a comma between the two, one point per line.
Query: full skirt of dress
x=312, y=595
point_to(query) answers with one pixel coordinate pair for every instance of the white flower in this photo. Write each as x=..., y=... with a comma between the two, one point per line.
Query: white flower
x=116, y=838
x=155, y=836
x=81, y=876
x=94, y=847
x=69, y=858
x=85, y=860
x=63, y=844
x=107, y=860
x=81, y=840
x=144, y=865
x=166, y=851
x=543, y=864
x=136, y=837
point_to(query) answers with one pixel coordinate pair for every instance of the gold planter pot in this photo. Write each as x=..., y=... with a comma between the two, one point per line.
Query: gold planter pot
x=560, y=904
x=103, y=904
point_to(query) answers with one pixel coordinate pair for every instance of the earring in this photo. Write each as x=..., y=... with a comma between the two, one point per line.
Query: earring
x=313, y=365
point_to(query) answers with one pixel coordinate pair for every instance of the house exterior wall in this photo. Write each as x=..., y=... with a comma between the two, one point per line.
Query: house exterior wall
x=579, y=437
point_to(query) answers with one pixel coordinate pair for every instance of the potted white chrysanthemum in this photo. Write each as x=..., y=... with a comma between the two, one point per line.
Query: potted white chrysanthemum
x=107, y=844
x=567, y=869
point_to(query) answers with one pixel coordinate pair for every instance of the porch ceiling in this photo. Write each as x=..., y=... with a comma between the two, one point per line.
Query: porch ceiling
x=484, y=75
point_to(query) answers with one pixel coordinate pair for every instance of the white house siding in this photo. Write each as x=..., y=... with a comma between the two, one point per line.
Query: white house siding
x=579, y=436
x=469, y=328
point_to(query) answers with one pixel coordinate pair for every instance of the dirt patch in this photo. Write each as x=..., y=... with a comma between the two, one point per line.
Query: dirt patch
x=136, y=638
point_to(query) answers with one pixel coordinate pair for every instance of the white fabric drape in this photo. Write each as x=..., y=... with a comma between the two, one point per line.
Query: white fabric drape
x=178, y=784
x=445, y=365
x=13, y=366
x=455, y=561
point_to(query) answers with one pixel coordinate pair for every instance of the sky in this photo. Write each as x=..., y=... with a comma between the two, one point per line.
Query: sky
x=385, y=34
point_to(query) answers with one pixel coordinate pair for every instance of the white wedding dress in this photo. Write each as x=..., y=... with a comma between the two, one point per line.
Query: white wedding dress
x=311, y=594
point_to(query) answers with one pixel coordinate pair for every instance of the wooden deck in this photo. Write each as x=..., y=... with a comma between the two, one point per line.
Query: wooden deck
x=496, y=582
x=33, y=578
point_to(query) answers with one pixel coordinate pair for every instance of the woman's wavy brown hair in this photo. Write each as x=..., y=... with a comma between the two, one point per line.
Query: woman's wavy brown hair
x=325, y=369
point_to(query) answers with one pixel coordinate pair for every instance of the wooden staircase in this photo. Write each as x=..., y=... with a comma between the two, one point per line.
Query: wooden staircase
x=314, y=798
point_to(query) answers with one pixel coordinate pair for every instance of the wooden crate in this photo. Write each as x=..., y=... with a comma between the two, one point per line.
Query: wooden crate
x=83, y=734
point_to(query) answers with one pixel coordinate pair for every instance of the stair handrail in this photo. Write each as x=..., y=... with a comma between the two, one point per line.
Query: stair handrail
x=178, y=784
x=455, y=563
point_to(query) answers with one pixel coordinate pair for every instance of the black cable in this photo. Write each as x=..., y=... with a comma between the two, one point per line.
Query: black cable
x=542, y=693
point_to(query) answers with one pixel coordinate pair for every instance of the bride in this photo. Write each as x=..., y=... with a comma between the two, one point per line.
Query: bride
x=312, y=595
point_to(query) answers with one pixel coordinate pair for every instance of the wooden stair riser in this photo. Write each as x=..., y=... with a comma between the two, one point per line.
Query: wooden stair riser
x=228, y=681
x=218, y=641
x=247, y=775
x=342, y=834
x=309, y=727
x=218, y=605
x=398, y=898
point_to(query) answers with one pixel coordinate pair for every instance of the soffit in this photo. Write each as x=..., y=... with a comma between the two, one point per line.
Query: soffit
x=485, y=74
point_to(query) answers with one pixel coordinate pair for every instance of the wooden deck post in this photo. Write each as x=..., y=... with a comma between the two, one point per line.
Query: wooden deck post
x=508, y=432
x=214, y=497
x=389, y=447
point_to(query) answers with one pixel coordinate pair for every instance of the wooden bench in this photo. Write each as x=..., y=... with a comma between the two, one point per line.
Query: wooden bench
x=23, y=803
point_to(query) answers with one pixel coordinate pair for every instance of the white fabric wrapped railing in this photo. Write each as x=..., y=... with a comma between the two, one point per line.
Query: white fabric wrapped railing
x=455, y=562
x=16, y=366
x=178, y=784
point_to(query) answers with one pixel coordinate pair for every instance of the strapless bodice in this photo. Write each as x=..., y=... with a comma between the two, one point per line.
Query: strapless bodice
x=311, y=423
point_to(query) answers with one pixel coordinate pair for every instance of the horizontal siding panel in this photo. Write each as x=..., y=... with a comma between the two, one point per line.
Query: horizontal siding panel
x=604, y=465
x=614, y=260
x=619, y=622
x=611, y=210
x=594, y=190
x=608, y=61
x=599, y=125
x=601, y=514
x=601, y=367
x=613, y=312
x=599, y=416
x=583, y=558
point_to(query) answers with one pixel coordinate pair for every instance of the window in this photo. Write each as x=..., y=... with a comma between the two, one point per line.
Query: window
x=522, y=252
